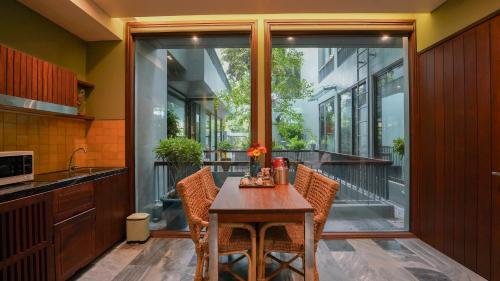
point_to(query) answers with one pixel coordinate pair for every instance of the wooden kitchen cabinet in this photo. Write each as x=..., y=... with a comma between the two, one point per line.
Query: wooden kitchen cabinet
x=111, y=201
x=72, y=240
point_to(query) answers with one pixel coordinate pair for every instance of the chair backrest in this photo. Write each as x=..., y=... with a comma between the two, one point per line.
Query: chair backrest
x=192, y=193
x=302, y=179
x=211, y=189
x=320, y=195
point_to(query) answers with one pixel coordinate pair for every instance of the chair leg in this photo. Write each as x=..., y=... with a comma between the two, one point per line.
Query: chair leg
x=198, y=275
x=261, y=267
x=254, y=259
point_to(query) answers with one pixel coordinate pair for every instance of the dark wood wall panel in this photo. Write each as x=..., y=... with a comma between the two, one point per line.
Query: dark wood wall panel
x=495, y=192
x=3, y=69
x=453, y=139
x=25, y=76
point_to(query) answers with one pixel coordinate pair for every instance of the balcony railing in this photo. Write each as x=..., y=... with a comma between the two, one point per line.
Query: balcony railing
x=362, y=179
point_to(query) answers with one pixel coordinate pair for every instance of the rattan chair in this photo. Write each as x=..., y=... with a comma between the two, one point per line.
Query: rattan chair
x=289, y=238
x=302, y=179
x=233, y=238
x=211, y=189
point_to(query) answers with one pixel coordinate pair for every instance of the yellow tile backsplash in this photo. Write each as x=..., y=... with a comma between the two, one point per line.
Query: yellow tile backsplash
x=53, y=139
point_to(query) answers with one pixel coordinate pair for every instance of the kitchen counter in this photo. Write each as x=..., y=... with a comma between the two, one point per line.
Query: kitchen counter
x=55, y=180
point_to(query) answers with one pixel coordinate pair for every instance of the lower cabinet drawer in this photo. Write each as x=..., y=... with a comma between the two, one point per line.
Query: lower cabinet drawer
x=74, y=241
x=73, y=200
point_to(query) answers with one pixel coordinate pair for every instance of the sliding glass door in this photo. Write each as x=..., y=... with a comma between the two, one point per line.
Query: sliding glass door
x=192, y=93
x=340, y=106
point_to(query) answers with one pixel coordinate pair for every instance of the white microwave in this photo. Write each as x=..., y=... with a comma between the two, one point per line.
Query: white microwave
x=16, y=166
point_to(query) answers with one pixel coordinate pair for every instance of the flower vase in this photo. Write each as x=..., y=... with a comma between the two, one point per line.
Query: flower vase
x=254, y=167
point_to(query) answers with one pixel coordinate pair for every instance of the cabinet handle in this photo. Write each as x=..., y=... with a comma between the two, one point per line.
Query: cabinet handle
x=495, y=174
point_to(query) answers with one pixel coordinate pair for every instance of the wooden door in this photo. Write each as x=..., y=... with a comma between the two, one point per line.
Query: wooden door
x=495, y=103
x=73, y=240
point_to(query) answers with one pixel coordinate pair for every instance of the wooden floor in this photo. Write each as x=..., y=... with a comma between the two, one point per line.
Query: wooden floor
x=357, y=259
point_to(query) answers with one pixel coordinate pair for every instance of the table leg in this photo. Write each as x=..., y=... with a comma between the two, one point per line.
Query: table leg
x=213, y=247
x=308, y=247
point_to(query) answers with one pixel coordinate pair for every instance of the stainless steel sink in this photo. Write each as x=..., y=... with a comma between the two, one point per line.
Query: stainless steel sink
x=62, y=175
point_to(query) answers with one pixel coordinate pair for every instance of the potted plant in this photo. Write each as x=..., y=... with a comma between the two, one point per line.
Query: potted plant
x=223, y=147
x=398, y=146
x=296, y=145
x=184, y=157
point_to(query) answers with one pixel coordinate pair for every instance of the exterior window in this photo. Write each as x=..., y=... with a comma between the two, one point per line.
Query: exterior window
x=346, y=123
x=328, y=130
x=343, y=54
x=390, y=128
x=325, y=62
x=194, y=96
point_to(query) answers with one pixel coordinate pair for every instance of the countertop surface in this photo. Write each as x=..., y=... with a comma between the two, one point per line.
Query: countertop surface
x=55, y=180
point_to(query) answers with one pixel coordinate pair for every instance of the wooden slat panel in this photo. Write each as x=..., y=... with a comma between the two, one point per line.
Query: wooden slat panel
x=3, y=69
x=50, y=97
x=459, y=150
x=75, y=90
x=39, y=92
x=57, y=84
x=29, y=76
x=10, y=72
x=495, y=194
x=34, y=79
x=449, y=156
x=22, y=78
x=64, y=85
x=17, y=74
x=471, y=162
x=439, y=149
x=62, y=80
x=54, y=71
x=427, y=134
x=45, y=71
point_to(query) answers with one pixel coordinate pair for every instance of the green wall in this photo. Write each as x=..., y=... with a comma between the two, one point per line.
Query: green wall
x=29, y=32
x=106, y=70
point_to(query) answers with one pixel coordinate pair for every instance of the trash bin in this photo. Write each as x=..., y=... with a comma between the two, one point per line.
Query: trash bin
x=138, y=228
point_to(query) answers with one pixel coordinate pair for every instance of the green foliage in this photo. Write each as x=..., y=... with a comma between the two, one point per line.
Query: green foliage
x=290, y=126
x=172, y=124
x=277, y=146
x=287, y=84
x=297, y=144
x=180, y=151
x=287, y=87
x=398, y=145
x=237, y=99
x=224, y=145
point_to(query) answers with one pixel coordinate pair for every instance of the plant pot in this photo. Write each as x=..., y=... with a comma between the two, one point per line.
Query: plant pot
x=226, y=166
x=174, y=214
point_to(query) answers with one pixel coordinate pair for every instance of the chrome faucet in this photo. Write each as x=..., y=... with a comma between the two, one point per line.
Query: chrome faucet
x=72, y=166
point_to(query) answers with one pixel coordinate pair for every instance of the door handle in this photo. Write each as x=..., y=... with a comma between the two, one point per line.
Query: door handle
x=495, y=174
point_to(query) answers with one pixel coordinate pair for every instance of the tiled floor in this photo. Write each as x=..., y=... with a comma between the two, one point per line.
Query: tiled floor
x=357, y=259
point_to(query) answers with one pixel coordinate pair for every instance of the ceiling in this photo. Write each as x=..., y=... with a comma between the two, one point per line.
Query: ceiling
x=144, y=8
x=95, y=20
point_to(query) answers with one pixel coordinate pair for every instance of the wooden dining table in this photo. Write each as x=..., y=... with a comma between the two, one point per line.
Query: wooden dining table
x=282, y=203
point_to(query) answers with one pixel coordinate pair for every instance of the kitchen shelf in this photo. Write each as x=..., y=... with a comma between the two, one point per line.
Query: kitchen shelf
x=16, y=109
x=85, y=85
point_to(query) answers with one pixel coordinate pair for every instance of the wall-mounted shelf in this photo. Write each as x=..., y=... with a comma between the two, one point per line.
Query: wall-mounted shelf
x=85, y=85
x=16, y=104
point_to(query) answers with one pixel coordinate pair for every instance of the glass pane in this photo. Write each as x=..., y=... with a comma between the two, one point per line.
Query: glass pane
x=346, y=121
x=188, y=89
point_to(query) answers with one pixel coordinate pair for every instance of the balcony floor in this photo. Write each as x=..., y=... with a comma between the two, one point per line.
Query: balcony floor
x=358, y=259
